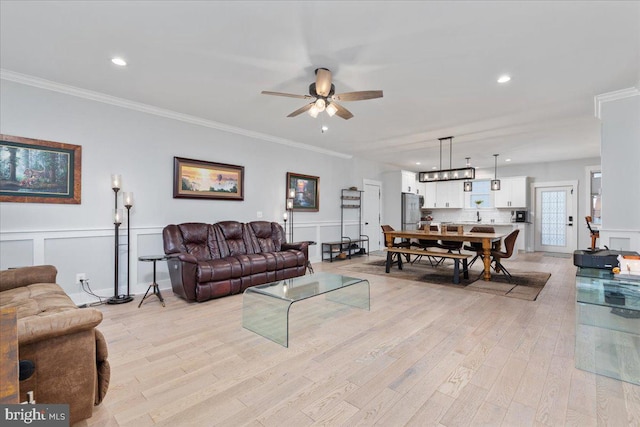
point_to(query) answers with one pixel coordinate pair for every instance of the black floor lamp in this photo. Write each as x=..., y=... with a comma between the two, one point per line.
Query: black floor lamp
x=116, y=182
x=292, y=194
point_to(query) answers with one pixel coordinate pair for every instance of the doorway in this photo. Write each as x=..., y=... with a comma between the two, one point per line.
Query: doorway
x=371, y=213
x=555, y=218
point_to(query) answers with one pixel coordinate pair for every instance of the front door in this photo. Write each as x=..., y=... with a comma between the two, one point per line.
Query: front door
x=371, y=214
x=554, y=220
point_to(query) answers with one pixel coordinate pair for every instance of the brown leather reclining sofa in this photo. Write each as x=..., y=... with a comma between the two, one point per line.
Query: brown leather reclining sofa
x=214, y=260
x=68, y=352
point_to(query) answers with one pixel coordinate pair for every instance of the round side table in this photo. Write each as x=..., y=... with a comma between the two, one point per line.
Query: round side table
x=154, y=285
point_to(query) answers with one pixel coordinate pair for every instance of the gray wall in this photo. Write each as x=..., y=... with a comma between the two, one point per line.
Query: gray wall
x=621, y=173
x=141, y=147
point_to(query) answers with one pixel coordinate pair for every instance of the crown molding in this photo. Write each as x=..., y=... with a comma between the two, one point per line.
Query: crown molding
x=150, y=109
x=613, y=96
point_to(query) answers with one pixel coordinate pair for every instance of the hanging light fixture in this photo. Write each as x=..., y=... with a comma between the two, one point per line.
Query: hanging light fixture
x=331, y=109
x=495, y=182
x=468, y=185
x=466, y=173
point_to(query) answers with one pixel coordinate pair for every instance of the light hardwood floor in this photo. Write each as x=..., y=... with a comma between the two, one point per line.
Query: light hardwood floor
x=424, y=355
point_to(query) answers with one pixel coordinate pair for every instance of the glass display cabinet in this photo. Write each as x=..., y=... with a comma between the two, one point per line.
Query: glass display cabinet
x=608, y=324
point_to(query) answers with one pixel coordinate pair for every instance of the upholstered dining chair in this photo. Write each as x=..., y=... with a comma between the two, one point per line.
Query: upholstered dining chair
x=425, y=244
x=497, y=256
x=595, y=234
x=394, y=242
x=451, y=245
x=477, y=246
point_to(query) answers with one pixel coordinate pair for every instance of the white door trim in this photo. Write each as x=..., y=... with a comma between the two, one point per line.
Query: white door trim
x=574, y=198
x=373, y=246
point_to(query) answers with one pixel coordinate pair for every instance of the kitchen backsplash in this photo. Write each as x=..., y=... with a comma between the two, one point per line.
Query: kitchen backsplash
x=469, y=215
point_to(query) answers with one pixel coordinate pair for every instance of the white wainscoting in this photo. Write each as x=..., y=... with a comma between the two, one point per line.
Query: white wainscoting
x=92, y=252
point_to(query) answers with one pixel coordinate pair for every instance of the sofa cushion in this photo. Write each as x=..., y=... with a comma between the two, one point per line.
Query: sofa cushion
x=216, y=270
x=233, y=234
x=196, y=239
x=38, y=299
x=266, y=236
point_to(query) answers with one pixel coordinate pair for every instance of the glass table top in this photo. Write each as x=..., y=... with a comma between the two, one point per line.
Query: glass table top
x=303, y=287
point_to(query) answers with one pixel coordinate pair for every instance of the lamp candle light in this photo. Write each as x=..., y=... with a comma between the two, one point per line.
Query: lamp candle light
x=127, y=198
x=116, y=183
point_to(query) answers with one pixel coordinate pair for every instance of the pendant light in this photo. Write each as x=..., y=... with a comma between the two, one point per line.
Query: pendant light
x=495, y=182
x=468, y=185
x=450, y=174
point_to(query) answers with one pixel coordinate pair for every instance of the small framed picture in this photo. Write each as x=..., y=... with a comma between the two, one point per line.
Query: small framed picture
x=303, y=191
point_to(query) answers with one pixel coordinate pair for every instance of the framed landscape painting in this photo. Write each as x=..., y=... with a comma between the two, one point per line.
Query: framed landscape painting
x=199, y=179
x=306, y=192
x=38, y=171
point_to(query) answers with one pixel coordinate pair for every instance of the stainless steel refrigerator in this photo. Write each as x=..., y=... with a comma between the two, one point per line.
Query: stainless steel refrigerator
x=410, y=211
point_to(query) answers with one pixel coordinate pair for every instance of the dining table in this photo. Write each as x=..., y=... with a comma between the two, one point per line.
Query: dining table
x=487, y=240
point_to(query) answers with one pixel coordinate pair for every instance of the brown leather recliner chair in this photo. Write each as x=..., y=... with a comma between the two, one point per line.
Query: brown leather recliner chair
x=68, y=352
x=214, y=260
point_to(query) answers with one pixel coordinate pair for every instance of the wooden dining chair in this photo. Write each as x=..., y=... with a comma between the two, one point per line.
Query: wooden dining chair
x=595, y=234
x=497, y=255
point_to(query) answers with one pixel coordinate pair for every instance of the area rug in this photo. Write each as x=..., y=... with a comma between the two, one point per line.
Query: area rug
x=524, y=285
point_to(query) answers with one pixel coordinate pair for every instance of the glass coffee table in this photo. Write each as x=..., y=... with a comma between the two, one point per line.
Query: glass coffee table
x=265, y=308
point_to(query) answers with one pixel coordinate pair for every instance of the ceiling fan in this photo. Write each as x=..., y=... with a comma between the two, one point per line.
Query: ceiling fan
x=325, y=99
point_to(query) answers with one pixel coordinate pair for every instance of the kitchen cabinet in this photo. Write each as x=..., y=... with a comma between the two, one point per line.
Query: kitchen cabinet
x=409, y=182
x=449, y=194
x=429, y=195
x=512, y=193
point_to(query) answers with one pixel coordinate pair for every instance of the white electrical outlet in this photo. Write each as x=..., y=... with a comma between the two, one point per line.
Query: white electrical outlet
x=80, y=276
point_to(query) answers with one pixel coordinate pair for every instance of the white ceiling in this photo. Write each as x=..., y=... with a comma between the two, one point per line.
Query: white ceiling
x=437, y=63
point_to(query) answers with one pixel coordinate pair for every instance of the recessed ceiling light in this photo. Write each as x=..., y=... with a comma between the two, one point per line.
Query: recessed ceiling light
x=119, y=61
x=417, y=163
x=504, y=78
x=434, y=168
x=507, y=160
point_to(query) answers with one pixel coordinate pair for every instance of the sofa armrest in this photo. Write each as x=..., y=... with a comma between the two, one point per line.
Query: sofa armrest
x=301, y=246
x=24, y=276
x=38, y=328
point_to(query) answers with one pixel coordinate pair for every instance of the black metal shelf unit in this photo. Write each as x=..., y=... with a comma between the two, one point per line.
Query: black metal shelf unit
x=349, y=199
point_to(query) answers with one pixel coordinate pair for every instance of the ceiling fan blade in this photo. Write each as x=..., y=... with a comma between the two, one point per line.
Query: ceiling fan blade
x=358, y=96
x=342, y=112
x=301, y=110
x=323, y=81
x=289, y=95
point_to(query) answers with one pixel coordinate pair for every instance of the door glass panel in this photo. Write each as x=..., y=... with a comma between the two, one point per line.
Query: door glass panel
x=554, y=214
x=596, y=197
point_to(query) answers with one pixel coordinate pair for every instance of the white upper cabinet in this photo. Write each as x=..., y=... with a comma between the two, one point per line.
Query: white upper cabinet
x=512, y=193
x=409, y=182
x=429, y=195
x=449, y=194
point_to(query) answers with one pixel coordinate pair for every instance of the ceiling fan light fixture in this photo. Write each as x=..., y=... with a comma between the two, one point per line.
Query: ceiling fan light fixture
x=320, y=104
x=331, y=109
x=313, y=111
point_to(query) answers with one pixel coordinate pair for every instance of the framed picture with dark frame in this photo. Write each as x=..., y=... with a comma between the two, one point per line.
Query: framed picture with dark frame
x=199, y=179
x=38, y=171
x=306, y=190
